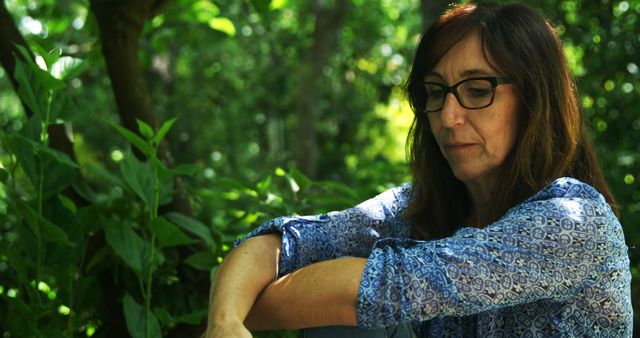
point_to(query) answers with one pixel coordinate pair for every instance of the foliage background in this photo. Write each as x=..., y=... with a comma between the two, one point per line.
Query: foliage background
x=282, y=106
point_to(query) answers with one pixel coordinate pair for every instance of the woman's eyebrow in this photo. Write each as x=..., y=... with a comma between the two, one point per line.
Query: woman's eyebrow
x=463, y=74
x=433, y=73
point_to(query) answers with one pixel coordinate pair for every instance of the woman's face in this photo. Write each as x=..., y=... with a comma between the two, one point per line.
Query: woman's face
x=475, y=142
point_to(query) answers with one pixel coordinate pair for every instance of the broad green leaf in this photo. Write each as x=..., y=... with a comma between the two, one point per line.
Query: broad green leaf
x=47, y=230
x=164, y=129
x=138, y=319
x=52, y=57
x=67, y=67
x=223, y=25
x=63, y=108
x=26, y=91
x=145, y=129
x=57, y=168
x=164, y=316
x=263, y=184
x=202, y=260
x=168, y=234
x=186, y=169
x=57, y=155
x=139, y=177
x=135, y=140
x=26, y=55
x=299, y=177
x=127, y=244
x=193, y=226
x=25, y=153
x=68, y=203
x=194, y=318
x=40, y=79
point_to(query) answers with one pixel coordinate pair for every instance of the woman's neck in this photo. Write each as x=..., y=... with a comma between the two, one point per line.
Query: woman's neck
x=480, y=196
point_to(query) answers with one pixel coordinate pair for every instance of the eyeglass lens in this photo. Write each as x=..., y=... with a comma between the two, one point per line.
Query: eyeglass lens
x=472, y=94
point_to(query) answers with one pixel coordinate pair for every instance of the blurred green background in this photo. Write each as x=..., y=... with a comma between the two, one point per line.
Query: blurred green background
x=247, y=110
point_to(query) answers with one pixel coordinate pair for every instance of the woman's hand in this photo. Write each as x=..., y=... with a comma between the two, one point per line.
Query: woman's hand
x=227, y=330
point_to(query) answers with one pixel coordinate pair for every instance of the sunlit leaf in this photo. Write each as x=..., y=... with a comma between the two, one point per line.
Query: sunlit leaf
x=68, y=67
x=223, y=25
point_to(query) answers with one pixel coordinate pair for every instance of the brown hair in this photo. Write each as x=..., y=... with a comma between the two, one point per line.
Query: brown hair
x=552, y=140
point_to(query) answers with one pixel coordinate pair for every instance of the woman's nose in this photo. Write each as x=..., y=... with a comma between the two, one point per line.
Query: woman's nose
x=452, y=113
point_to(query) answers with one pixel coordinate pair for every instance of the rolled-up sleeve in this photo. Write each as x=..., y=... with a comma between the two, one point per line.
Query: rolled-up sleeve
x=350, y=232
x=558, y=242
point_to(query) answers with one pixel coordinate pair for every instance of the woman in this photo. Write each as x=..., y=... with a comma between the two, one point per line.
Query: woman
x=508, y=229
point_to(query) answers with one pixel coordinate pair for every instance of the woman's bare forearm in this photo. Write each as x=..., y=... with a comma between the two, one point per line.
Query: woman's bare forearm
x=243, y=274
x=320, y=294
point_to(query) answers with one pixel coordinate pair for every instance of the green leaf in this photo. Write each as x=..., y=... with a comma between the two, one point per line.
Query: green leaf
x=135, y=316
x=136, y=140
x=202, y=260
x=203, y=11
x=168, y=234
x=35, y=158
x=25, y=90
x=127, y=244
x=186, y=169
x=164, y=316
x=52, y=57
x=24, y=151
x=164, y=129
x=139, y=177
x=299, y=177
x=68, y=203
x=193, y=226
x=67, y=67
x=26, y=55
x=194, y=318
x=62, y=108
x=277, y=4
x=145, y=129
x=223, y=25
x=43, y=228
x=56, y=155
x=263, y=184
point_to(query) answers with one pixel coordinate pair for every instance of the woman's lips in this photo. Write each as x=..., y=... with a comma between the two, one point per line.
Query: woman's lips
x=458, y=148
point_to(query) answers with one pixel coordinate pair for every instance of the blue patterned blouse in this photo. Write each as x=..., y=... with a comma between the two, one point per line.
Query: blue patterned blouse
x=554, y=265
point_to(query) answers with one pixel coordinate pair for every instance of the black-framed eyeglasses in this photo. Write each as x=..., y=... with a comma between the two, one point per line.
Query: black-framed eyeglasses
x=472, y=93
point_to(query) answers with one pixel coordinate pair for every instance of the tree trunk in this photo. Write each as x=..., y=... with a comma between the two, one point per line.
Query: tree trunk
x=121, y=23
x=431, y=10
x=329, y=22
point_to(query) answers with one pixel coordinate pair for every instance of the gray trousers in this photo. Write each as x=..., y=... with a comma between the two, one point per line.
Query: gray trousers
x=395, y=331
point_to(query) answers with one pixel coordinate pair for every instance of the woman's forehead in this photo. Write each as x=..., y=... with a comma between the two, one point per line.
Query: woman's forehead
x=464, y=59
